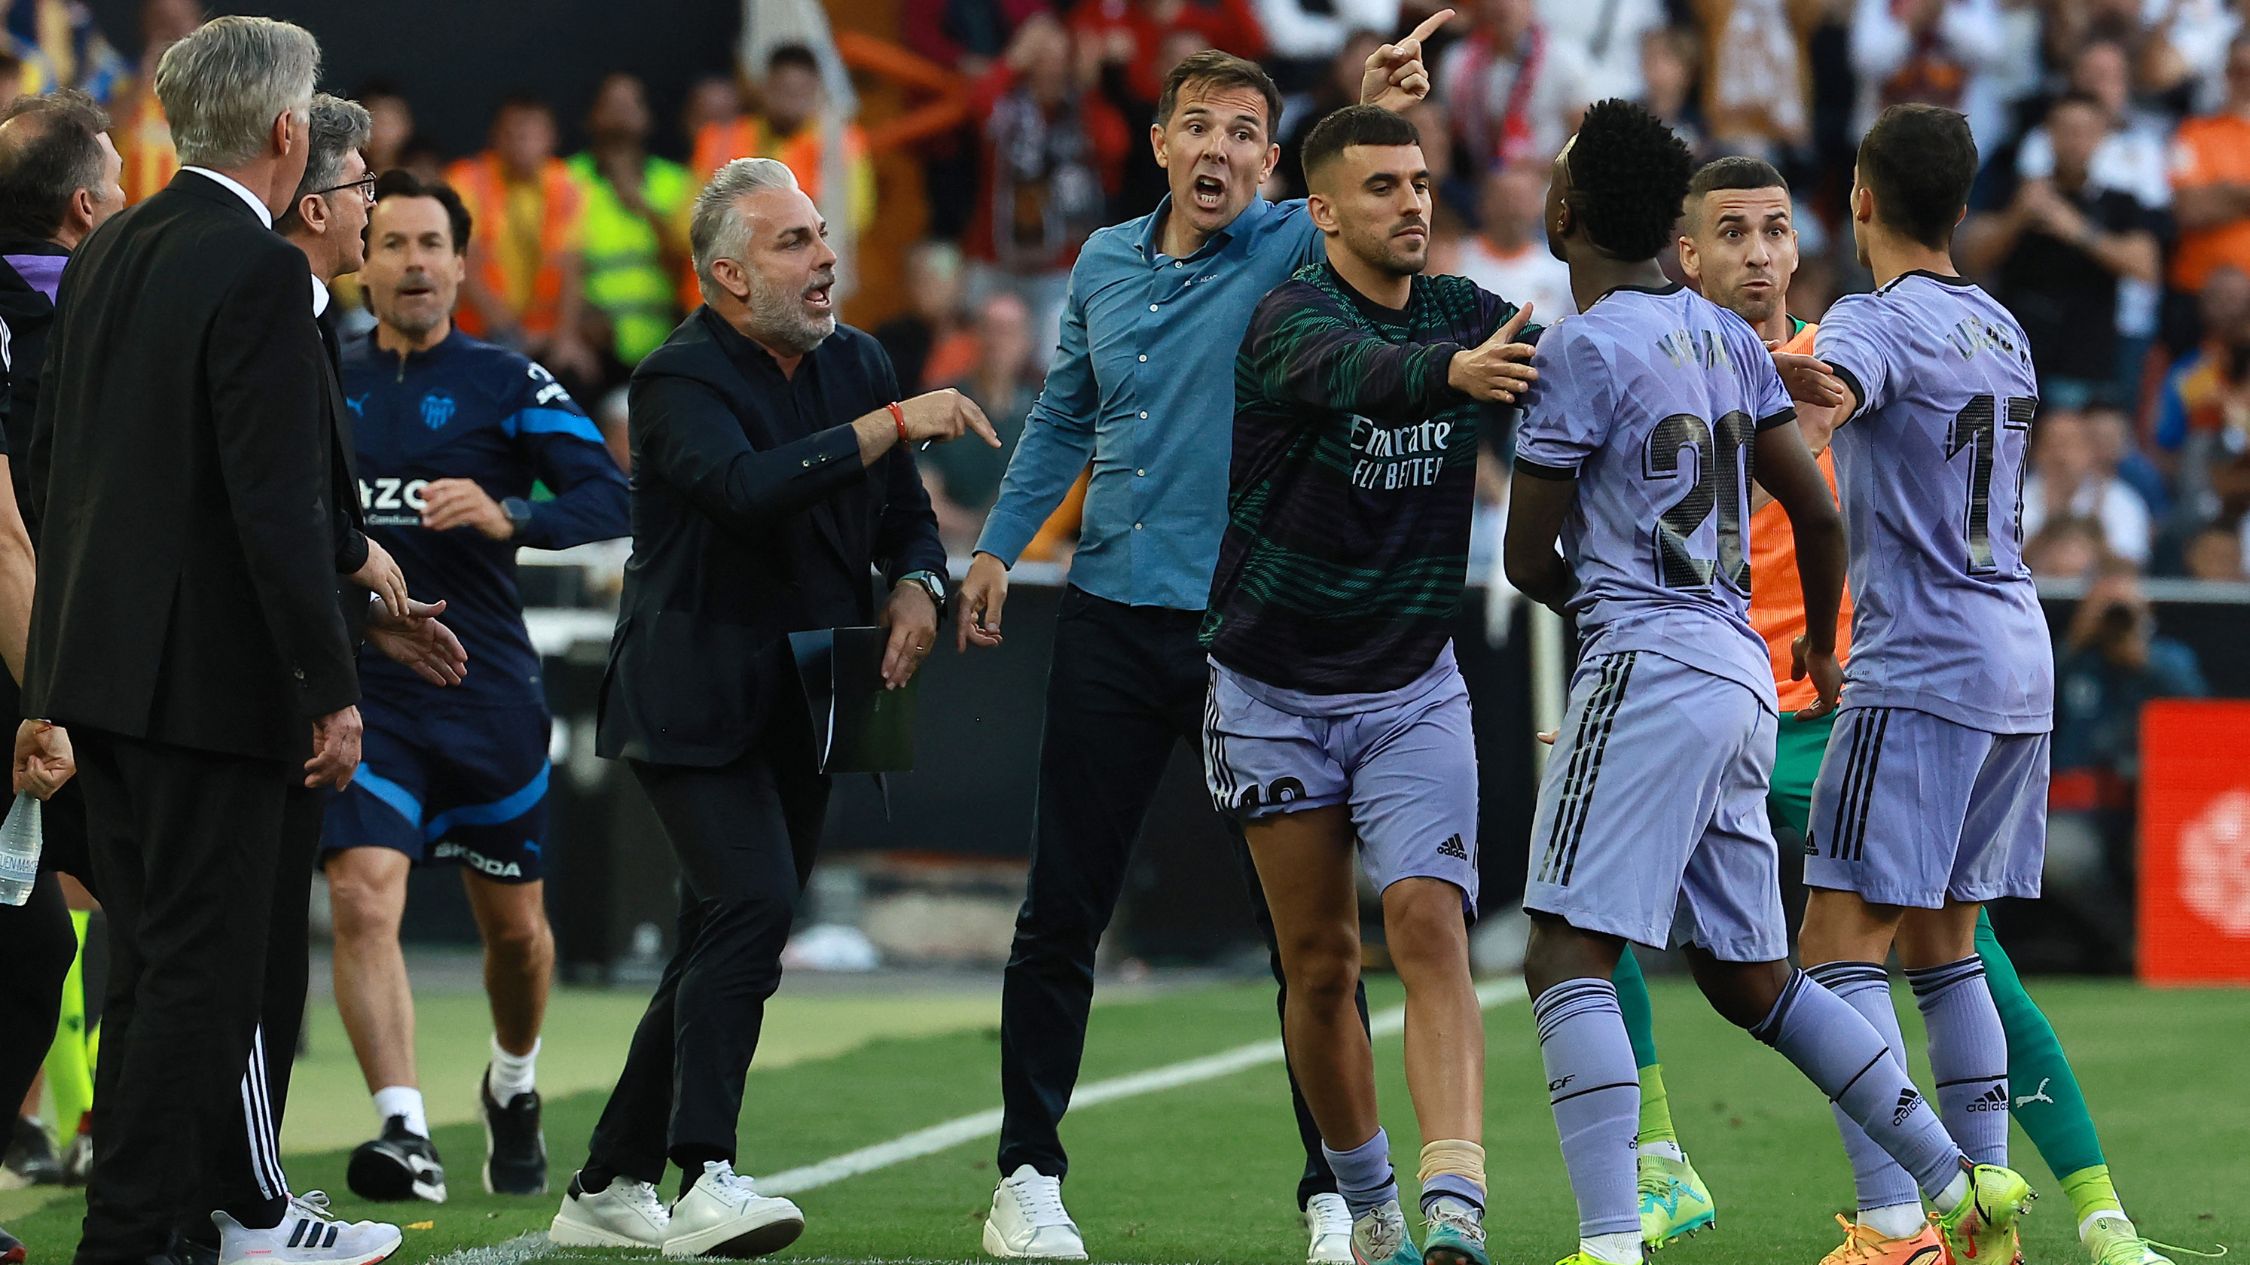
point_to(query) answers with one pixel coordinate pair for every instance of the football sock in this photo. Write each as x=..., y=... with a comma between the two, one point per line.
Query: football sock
x=691, y=1160
x=1656, y=1135
x=69, y=1063
x=1883, y=1188
x=1363, y=1174
x=401, y=1100
x=595, y=1177
x=2047, y=1103
x=1596, y=1098
x=1452, y=1169
x=1632, y=1002
x=2093, y=1195
x=512, y=1074
x=1842, y=1053
x=1968, y=1056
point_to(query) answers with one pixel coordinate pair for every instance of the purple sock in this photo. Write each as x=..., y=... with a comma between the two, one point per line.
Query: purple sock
x=1363, y=1174
x=1842, y=1053
x=1596, y=1094
x=1968, y=1055
x=1866, y=988
x=1452, y=1186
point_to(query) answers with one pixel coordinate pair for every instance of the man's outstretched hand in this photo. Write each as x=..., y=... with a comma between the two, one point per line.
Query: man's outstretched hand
x=1395, y=77
x=1499, y=371
x=418, y=641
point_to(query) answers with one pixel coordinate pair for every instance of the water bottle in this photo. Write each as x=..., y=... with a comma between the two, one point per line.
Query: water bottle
x=19, y=850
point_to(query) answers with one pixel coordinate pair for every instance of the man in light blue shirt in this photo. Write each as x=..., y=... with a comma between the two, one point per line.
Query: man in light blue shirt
x=1142, y=389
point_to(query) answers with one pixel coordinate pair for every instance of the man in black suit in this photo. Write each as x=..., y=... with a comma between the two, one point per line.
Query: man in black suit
x=772, y=466
x=187, y=630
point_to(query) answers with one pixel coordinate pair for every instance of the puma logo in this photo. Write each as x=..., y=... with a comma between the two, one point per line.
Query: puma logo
x=2037, y=1095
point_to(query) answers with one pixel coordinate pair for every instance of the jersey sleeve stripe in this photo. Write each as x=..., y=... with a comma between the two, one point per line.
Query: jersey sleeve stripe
x=1538, y=470
x=551, y=421
x=1859, y=393
x=1783, y=417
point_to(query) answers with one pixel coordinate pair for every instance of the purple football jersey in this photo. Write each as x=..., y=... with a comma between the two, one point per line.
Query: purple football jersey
x=1930, y=472
x=1652, y=399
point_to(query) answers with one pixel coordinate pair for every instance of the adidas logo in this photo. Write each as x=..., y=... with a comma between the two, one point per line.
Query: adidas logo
x=1454, y=848
x=1908, y=1100
x=1993, y=1099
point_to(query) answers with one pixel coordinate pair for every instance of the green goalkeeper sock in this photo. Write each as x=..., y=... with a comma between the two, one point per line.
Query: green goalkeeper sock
x=70, y=1068
x=1632, y=1000
x=2046, y=1099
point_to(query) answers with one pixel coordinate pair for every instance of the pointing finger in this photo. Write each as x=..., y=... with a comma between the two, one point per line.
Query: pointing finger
x=1430, y=25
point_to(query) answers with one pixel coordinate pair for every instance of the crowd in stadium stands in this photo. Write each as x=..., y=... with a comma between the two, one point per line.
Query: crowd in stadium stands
x=2112, y=215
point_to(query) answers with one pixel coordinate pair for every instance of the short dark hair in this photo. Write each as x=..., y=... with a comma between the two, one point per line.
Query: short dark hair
x=52, y=152
x=1629, y=175
x=1218, y=69
x=402, y=183
x=1736, y=171
x=1920, y=161
x=524, y=99
x=786, y=55
x=1355, y=125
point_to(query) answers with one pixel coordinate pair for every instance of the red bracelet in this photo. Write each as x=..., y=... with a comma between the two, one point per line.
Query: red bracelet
x=898, y=419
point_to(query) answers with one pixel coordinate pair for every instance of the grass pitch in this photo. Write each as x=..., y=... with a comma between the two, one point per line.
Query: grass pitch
x=1205, y=1172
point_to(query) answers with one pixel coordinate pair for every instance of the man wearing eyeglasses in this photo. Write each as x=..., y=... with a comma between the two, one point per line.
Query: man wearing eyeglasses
x=451, y=434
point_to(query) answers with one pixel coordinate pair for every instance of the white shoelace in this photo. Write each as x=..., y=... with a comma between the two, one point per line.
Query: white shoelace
x=1041, y=1200
x=1384, y=1233
x=313, y=1205
x=642, y=1198
x=1457, y=1216
x=1331, y=1215
x=733, y=1186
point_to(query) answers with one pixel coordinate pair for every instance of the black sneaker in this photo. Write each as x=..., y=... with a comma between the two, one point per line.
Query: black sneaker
x=398, y=1166
x=515, y=1151
x=30, y=1159
x=11, y=1248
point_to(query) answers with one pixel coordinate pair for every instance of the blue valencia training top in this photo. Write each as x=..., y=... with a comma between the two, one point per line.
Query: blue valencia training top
x=469, y=410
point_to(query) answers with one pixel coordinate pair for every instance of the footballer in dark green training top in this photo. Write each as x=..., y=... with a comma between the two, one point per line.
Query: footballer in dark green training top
x=1337, y=717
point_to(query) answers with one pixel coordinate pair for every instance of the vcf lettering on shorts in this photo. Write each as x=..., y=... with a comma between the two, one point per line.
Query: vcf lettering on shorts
x=1589, y=741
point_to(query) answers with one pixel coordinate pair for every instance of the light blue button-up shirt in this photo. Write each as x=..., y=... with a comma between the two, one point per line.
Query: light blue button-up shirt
x=1143, y=387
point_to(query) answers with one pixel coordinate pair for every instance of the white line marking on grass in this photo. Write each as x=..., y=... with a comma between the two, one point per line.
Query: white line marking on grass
x=986, y=1124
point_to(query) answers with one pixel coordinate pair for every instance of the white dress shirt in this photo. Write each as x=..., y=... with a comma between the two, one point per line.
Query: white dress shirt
x=241, y=191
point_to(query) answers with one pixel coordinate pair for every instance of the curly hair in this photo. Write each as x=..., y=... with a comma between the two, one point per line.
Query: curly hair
x=1628, y=177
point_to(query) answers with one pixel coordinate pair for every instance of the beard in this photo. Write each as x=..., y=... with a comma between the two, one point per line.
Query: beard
x=778, y=314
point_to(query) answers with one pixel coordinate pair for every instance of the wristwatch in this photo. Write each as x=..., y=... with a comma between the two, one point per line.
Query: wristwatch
x=931, y=583
x=518, y=511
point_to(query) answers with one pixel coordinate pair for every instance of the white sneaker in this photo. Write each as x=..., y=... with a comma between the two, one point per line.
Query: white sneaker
x=625, y=1213
x=1380, y=1238
x=1328, y=1224
x=1028, y=1219
x=725, y=1216
x=307, y=1235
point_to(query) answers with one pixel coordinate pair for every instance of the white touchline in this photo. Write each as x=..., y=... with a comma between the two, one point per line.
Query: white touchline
x=986, y=1124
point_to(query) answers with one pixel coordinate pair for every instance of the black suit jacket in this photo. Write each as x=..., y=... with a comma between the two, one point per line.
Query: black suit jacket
x=29, y=316
x=744, y=532
x=181, y=473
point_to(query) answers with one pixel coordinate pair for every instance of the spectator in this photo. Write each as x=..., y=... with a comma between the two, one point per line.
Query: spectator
x=1129, y=38
x=1005, y=383
x=525, y=285
x=2111, y=433
x=968, y=35
x=2203, y=415
x=1513, y=91
x=1607, y=37
x=144, y=139
x=2132, y=154
x=1053, y=155
x=2211, y=182
x=2111, y=664
x=1509, y=254
x=926, y=343
x=828, y=155
x=712, y=100
x=1668, y=82
x=58, y=44
x=1936, y=52
x=2216, y=554
x=2065, y=549
x=2058, y=252
x=635, y=238
x=393, y=117
x=1757, y=80
x=2069, y=479
x=1303, y=35
x=1331, y=92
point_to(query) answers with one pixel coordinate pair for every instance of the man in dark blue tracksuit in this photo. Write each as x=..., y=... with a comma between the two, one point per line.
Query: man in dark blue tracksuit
x=452, y=436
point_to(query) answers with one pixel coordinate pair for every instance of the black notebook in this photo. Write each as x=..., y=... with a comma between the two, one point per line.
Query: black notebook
x=858, y=726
